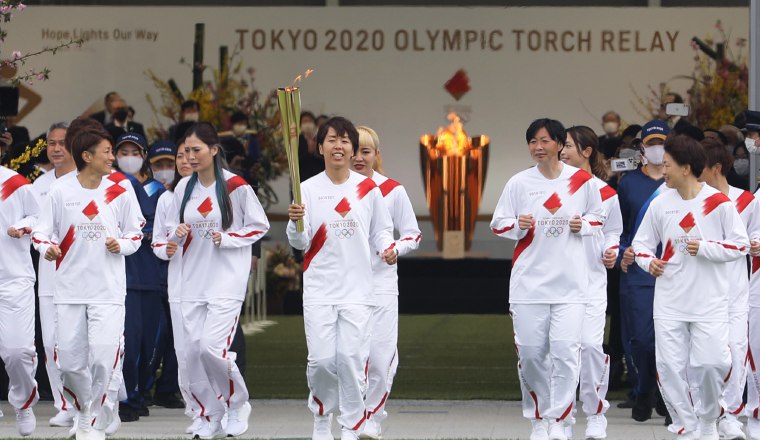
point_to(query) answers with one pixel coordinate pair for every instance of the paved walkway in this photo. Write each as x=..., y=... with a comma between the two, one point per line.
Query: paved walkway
x=409, y=419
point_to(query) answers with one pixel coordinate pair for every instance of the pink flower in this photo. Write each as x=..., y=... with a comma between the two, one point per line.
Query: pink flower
x=5, y=9
x=16, y=55
x=40, y=76
x=20, y=7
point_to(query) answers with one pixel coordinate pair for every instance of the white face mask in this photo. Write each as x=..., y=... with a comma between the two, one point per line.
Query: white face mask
x=741, y=166
x=191, y=117
x=750, y=143
x=164, y=176
x=655, y=154
x=239, y=129
x=308, y=129
x=130, y=164
x=611, y=127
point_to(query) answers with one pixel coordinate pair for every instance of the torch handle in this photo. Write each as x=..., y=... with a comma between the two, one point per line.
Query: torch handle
x=289, y=101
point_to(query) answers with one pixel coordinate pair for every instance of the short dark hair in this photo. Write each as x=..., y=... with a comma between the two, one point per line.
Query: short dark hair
x=555, y=129
x=631, y=131
x=309, y=114
x=676, y=97
x=238, y=117
x=687, y=151
x=77, y=125
x=342, y=127
x=108, y=96
x=86, y=140
x=692, y=131
x=190, y=104
x=721, y=137
x=717, y=154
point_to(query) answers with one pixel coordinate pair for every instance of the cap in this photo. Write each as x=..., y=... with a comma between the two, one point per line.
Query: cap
x=654, y=129
x=134, y=138
x=752, y=121
x=162, y=149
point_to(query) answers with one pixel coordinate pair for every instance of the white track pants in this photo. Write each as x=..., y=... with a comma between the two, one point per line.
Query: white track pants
x=547, y=339
x=89, y=352
x=178, y=331
x=17, y=344
x=595, y=364
x=47, y=324
x=702, y=349
x=337, y=338
x=737, y=342
x=383, y=356
x=211, y=369
x=753, y=356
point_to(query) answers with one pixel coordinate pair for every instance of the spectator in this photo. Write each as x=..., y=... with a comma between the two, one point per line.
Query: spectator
x=121, y=122
x=676, y=123
x=310, y=161
x=189, y=113
x=106, y=116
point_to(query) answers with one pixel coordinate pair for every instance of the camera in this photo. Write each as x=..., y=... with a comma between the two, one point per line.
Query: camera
x=620, y=165
x=676, y=109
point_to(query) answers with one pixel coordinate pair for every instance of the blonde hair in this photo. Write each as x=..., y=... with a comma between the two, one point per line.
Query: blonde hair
x=368, y=138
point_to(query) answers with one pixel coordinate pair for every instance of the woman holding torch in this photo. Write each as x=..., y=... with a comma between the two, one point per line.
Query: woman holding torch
x=346, y=226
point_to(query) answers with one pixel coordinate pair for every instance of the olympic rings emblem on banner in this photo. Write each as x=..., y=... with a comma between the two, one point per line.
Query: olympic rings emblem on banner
x=344, y=233
x=91, y=235
x=553, y=231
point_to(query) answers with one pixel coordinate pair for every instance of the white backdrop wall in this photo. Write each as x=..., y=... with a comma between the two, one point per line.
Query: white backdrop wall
x=385, y=67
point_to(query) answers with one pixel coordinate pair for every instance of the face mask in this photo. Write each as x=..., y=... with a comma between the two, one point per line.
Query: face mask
x=120, y=115
x=130, y=164
x=308, y=128
x=239, y=129
x=741, y=166
x=750, y=143
x=191, y=117
x=164, y=176
x=611, y=127
x=655, y=154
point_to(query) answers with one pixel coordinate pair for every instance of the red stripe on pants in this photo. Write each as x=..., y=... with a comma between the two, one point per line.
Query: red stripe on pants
x=31, y=399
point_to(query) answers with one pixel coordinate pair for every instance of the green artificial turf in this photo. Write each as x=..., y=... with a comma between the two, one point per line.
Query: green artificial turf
x=441, y=357
x=447, y=357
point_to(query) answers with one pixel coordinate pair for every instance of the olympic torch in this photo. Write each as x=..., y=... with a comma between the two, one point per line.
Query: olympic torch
x=289, y=99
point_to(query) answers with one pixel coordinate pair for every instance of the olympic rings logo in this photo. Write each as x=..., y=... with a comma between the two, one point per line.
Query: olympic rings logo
x=344, y=233
x=91, y=235
x=683, y=248
x=553, y=231
x=206, y=233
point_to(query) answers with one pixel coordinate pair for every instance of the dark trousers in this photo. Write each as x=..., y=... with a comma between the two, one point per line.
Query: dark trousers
x=142, y=334
x=165, y=357
x=638, y=307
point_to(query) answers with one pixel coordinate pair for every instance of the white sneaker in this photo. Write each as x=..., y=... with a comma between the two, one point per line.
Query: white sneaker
x=371, y=430
x=209, y=430
x=25, y=422
x=322, y=428
x=83, y=425
x=114, y=425
x=540, y=430
x=97, y=434
x=349, y=434
x=195, y=426
x=569, y=432
x=237, y=420
x=753, y=428
x=63, y=419
x=74, y=426
x=557, y=431
x=596, y=427
x=730, y=428
x=708, y=430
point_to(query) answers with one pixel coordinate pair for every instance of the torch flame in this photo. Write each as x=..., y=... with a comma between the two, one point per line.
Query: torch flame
x=452, y=139
x=300, y=78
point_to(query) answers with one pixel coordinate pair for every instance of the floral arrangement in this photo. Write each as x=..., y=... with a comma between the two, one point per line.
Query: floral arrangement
x=230, y=91
x=719, y=87
x=18, y=59
x=283, y=275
